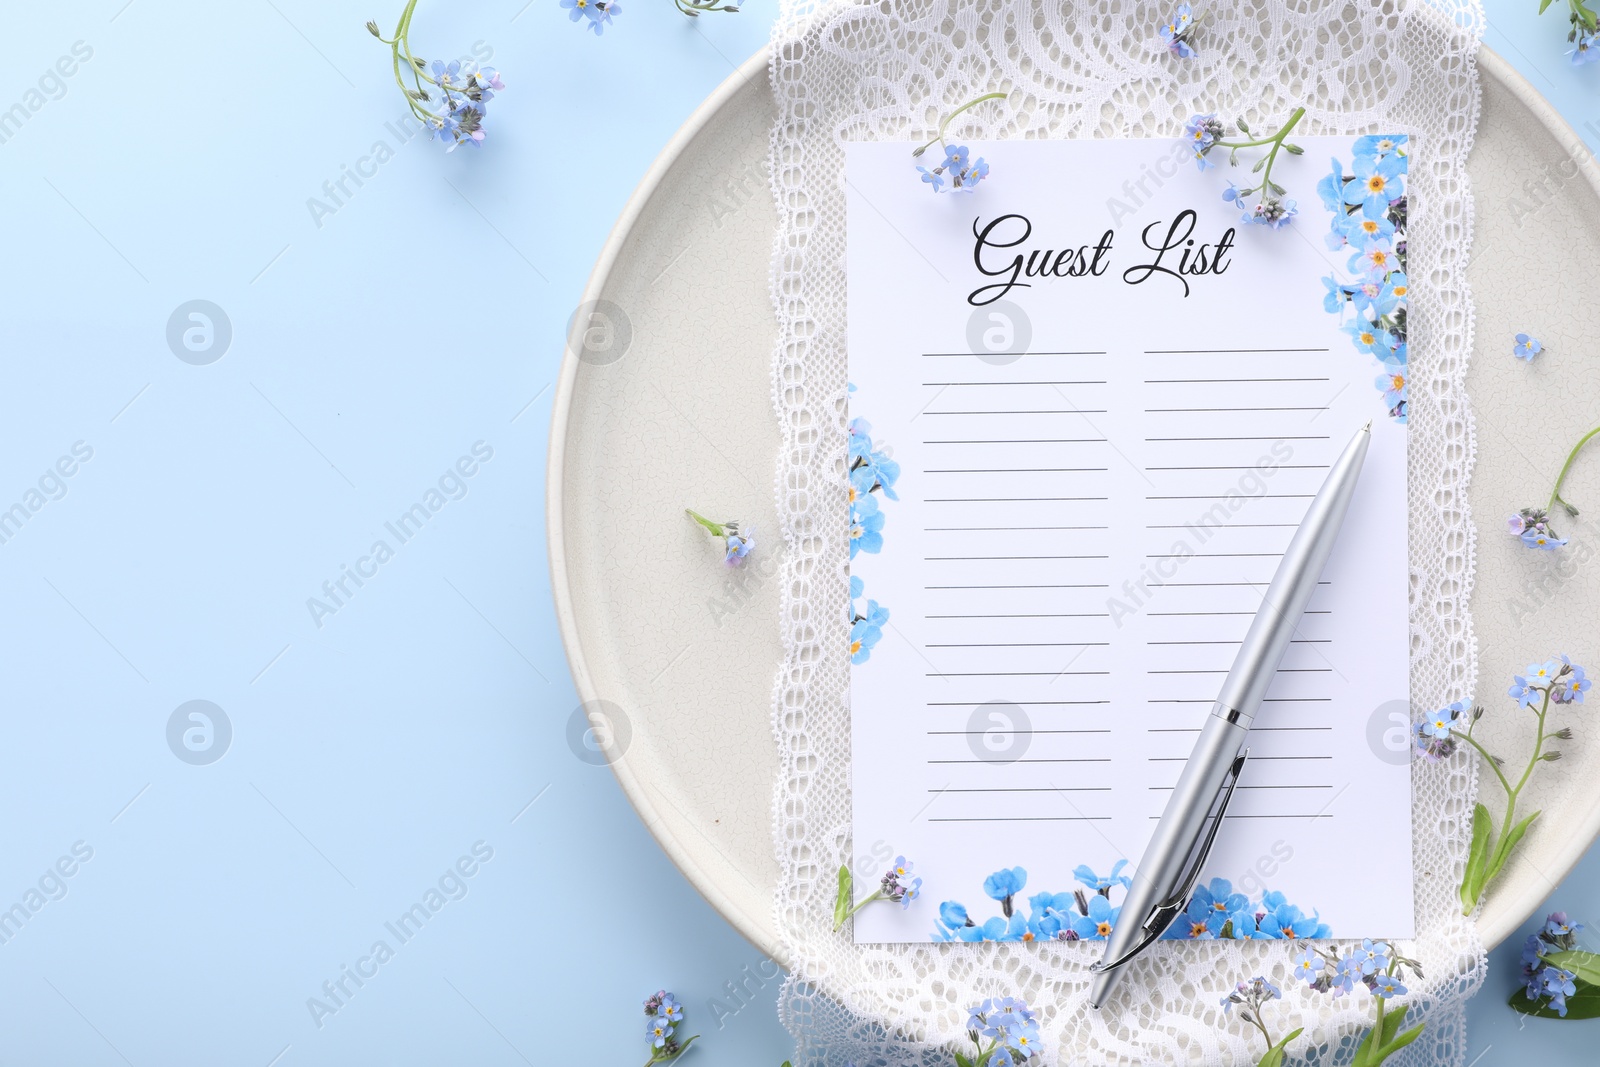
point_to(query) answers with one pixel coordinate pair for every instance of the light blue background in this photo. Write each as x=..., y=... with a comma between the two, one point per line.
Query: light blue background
x=428, y=713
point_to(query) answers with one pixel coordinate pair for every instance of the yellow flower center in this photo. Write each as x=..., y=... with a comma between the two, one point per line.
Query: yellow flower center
x=1399, y=290
x=1369, y=225
x=1367, y=338
x=1375, y=183
x=1196, y=929
x=855, y=646
x=1397, y=381
x=1102, y=929
x=1379, y=258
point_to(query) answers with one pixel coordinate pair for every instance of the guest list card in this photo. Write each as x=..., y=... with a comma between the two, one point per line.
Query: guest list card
x=1089, y=405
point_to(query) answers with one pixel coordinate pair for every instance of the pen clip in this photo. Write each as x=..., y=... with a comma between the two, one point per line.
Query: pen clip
x=1162, y=915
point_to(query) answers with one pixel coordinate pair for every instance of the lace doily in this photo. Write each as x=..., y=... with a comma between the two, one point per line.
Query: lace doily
x=843, y=71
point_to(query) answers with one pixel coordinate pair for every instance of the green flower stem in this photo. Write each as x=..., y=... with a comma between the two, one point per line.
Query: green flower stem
x=401, y=43
x=1555, y=494
x=715, y=527
x=939, y=137
x=1493, y=862
x=852, y=912
x=1580, y=13
x=1276, y=141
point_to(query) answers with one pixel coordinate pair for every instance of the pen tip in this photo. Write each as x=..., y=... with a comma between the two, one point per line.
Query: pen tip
x=1368, y=427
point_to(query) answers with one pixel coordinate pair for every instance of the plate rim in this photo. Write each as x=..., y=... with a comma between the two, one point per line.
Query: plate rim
x=1494, y=924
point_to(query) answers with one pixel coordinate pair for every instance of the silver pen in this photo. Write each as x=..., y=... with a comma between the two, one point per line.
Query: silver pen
x=1194, y=811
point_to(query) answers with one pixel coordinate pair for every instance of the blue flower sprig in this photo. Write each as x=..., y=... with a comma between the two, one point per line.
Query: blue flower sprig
x=1559, y=979
x=1215, y=912
x=1369, y=212
x=1177, y=31
x=964, y=173
x=461, y=91
x=1249, y=997
x=897, y=886
x=1004, y=1032
x=1558, y=681
x=1204, y=133
x=1381, y=971
x=1532, y=525
x=866, y=622
x=1584, y=34
x=738, y=541
x=662, y=1014
x=595, y=15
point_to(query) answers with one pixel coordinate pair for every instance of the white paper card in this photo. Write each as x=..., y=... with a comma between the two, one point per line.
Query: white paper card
x=1098, y=468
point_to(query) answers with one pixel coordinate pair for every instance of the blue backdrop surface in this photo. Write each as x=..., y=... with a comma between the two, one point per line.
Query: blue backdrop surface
x=252, y=794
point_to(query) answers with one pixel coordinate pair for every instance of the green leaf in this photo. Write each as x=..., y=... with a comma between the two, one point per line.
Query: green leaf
x=1507, y=843
x=1544, y=4
x=1584, y=1004
x=1274, y=1056
x=1400, y=1042
x=1363, y=1051
x=1391, y=1026
x=841, y=903
x=1477, y=858
x=1585, y=965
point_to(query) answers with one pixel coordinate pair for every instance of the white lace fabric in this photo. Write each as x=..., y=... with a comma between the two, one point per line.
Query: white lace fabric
x=843, y=70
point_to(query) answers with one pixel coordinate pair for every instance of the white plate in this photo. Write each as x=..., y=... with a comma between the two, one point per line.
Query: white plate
x=670, y=407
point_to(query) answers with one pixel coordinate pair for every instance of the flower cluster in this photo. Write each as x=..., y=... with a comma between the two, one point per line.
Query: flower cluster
x=662, y=1013
x=463, y=89
x=737, y=541
x=1584, y=34
x=871, y=471
x=1525, y=347
x=897, y=886
x=1272, y=209
x=1248, y=998
x=1175, y=33
x=1435, y=739
x=1374, y=966
x=1532, y=527
x=1560, y=679
x=1005, y=1032
x=959, y=168
x=963, y=171
x=594, y=14
x=1369, y=218
x=866, y=622
x=1215, y=911
x=1541, y=978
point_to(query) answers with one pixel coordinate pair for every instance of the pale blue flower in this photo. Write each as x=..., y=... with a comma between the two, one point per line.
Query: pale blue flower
x=1098, y=924
x=1331, y=191
x=1585, y=49
x=1005, y=884
x=1308, y=965
x=1376, y=259
x=1373, y=956
x=1286, y=922
x=1526, y=347
x=1370, y=338
x=1386, y=986
x=657, y=1030
x=933, y=177
x=1378, y=181
x=1362, y=226
x=1379, y=145
x=864, y=635
x=1100, y=885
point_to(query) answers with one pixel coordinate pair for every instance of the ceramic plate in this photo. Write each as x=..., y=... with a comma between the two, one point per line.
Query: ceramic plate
x=665, y=402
